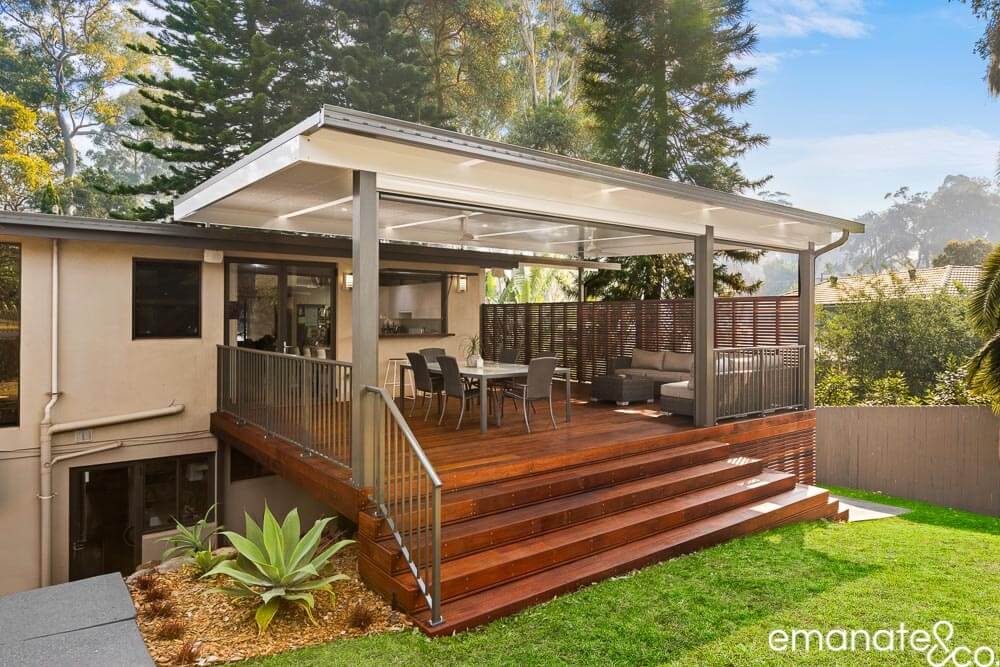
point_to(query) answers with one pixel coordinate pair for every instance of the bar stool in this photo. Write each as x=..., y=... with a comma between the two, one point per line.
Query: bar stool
x=391, y=379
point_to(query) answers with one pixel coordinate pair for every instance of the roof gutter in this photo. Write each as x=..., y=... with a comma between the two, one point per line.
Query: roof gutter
x=844, y=235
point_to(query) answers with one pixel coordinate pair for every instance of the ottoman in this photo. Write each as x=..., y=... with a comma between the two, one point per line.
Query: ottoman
x=622, y=390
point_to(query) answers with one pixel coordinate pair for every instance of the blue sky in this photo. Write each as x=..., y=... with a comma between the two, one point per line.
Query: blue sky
x=861, y=97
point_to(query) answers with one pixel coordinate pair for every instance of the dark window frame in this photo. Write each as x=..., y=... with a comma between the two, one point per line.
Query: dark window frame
x=200, y=277
x=140, y=488
x=445, y=278
x=20, y=300
x=283, y=266
x=136, y=473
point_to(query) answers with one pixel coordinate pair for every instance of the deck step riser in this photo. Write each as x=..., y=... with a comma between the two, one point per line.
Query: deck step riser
x=568, y=511
x=623, y=560
x=545, y=488
x=649, y=521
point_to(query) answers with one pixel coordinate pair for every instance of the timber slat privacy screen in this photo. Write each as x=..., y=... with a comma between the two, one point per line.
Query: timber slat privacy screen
x=583, y=336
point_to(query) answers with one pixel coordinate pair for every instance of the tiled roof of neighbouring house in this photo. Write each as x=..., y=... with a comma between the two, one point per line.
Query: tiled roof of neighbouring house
x=915, y=282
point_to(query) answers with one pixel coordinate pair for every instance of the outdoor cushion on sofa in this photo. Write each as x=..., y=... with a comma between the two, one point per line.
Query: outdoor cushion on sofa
x=667, y=376
x=647, y=359
x=677, y=361
x=676, y=390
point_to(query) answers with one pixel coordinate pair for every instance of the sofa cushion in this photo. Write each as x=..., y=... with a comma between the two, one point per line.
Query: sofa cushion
x=677, y=361
x=667, y=376
x=676, y=390
x=632, y=372
x=646, y=359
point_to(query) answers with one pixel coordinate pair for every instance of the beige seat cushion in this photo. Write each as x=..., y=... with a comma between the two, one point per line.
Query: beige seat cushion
x=632, y=372
x=668, y=376
x=647, y=359
x=677, y=361
x=676, y=390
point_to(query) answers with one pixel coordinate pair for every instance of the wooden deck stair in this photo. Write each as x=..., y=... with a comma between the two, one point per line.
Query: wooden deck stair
x=509, y=544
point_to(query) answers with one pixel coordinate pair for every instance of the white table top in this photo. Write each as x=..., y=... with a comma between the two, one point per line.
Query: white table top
x=490, y=370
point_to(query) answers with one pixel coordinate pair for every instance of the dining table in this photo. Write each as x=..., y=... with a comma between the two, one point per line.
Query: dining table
x=489, y=371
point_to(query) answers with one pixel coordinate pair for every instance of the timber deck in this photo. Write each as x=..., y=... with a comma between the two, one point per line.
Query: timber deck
x=529, y=516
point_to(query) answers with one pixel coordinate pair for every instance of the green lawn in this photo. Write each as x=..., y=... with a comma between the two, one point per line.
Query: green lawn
x=717, y=607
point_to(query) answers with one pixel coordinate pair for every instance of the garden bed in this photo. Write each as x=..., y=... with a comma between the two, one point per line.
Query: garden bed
x=213, y=627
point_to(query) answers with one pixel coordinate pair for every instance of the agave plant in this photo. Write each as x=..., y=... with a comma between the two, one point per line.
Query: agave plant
x=278, y=564
x=188, y=541
x=205, y=560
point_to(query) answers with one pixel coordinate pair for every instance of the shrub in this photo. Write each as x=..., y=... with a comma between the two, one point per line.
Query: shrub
x=890, y=390
x=836, y=388
x=144, y=582
x=883, y=329
x=187, y=541
x=951, y=387
x=188, y=653
x=361, y=615
x=155, y=593
x=171, y=630
x=277, y=563
x=160, y=609
x=204, y=561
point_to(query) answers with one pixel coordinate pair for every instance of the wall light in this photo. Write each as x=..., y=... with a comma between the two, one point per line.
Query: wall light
x=463, y=283
x=348, y=281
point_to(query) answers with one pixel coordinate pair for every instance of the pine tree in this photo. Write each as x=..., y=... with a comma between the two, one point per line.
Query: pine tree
x=242, y=71
x=662, y=83
x=383, y=70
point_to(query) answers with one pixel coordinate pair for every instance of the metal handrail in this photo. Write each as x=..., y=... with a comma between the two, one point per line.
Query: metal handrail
x=759, y=379
x=302, y=400
x=407, y=494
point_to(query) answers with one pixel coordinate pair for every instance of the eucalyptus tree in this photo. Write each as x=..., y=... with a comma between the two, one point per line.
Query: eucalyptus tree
x=80, y=49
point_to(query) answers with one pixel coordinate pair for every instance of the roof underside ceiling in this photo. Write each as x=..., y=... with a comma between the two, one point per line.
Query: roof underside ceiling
x=301, y=182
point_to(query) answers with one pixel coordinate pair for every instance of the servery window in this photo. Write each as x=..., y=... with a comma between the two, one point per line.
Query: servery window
x=10, y=333
x=166, y=299
x=412, y=302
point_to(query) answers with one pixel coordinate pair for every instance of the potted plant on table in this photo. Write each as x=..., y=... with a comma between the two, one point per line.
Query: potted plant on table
x=472, y=357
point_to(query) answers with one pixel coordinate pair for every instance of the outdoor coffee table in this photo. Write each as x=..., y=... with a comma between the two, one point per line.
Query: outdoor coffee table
x=489, y=372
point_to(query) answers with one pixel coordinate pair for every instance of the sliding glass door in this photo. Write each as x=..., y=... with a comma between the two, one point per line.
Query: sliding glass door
x=281, y=307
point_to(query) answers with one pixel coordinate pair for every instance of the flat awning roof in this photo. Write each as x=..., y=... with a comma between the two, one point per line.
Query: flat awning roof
x=448, y=189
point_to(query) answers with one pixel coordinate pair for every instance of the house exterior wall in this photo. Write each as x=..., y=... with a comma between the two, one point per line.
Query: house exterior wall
x=104, y=372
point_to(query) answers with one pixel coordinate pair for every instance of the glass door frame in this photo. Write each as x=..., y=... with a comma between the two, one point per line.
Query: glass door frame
x=284, y=267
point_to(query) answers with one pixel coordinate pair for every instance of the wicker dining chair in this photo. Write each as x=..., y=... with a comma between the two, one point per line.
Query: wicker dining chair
x=537, y=387
x=425, y=385
x=431, y=354
x=455, y=387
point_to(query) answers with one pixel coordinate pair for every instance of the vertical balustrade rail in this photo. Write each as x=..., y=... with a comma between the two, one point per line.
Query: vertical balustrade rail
x=407, y=495
x=302, y=400
x=758, y=380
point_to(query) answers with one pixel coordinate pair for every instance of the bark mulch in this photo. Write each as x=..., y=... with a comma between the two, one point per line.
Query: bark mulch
x=217, y=628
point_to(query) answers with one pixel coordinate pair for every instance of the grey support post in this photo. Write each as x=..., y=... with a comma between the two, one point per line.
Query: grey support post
x=807, y=322
x=704, y=328
x=364, y=325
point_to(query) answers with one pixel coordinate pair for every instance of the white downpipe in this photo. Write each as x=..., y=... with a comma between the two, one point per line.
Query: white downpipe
x=47, y=462
x=45, y=437
x=47, y=429
x=172, y=409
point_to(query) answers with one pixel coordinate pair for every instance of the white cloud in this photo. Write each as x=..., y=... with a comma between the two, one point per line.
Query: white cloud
x=849, y=174
x=769, y=61
x=801, y=18
x=945, y=148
